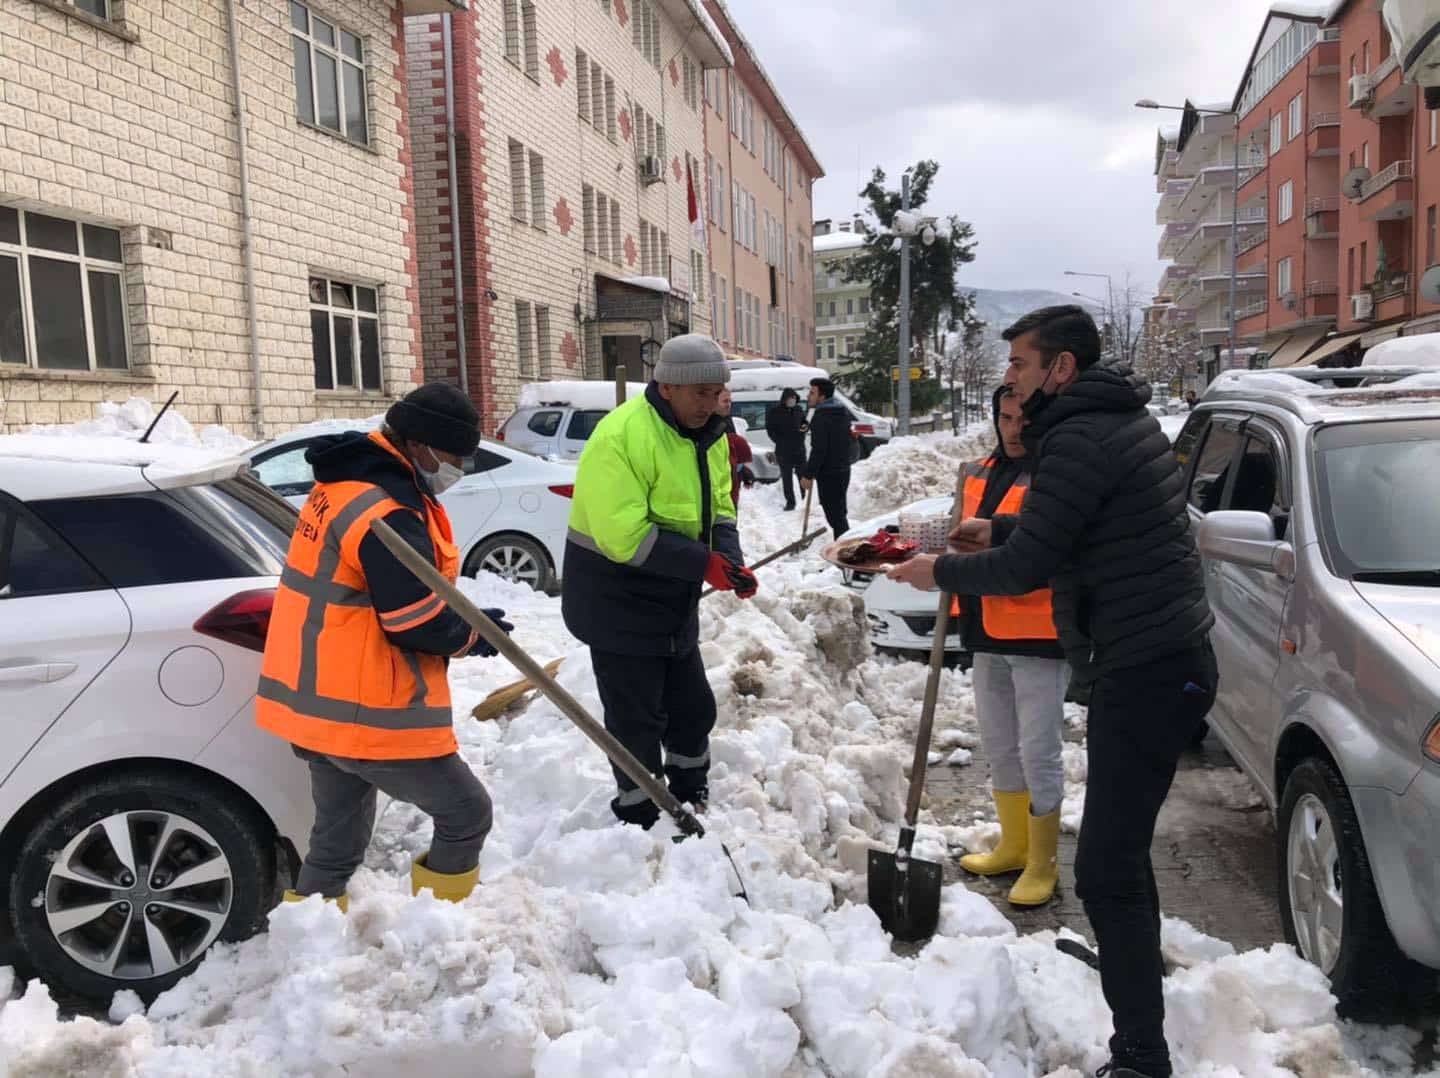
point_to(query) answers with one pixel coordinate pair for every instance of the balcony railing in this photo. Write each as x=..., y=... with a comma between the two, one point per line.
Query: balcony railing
x=1324, y=119
x=1250, y=310
x=1321, y=205
x=1321, y=288
x=1249, y=242
x=1251, y=215
x=1397, y=284
x=1383, y=71
x=1330, y=33
x=1391, y=174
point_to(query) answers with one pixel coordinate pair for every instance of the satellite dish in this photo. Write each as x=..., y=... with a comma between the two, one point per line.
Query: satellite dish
x=1430, y=285
x=1353, y=181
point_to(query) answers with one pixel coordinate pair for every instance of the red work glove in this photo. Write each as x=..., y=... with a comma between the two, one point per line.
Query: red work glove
x=724, y=575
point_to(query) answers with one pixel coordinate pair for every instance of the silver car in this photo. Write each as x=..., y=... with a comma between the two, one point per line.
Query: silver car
x=1315, y=499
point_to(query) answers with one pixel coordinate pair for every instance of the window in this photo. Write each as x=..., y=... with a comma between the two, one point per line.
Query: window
x=615, y=235
x=62, y=294
x=33, y=561
x=1434, y=127
x=602, y=226
x=1258, y=487
x=329, y=75
x=610, y=109
x=717, y=195
x=1365, y=154
x=482, y=460
x=691, y=82
x=518, y=196
x=286, y=471
x=537, y=191
x=587, y=216
x=1287, y=201
x=1364, y=262
x=739, y=316
x=1350, y=271
x=532, y=39
x=849, y=306
x=722, y=319
x=344, y=335
x=697, y=276
x=512, y=31
x=1365, y=57
x=99, y=8
x=582, y=85
x=583, y=424
x=1207, y=485
x=542, y=339
x=864, y=304
x=831, y=310
x=1296, y=115
x=1430, y=236
x=524, y=340
x=1277, y=133
x=645, y=31
x=546, y=423
x=224, y=531
x=1282, y=277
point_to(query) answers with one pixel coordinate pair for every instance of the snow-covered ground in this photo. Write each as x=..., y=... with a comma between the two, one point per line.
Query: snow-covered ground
x=600, y=950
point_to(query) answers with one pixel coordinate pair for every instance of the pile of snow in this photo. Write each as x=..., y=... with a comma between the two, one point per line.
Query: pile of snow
x=906, y=470
x=114, y=438
x=596, y=949
x=1420, y=350
x=596, y=396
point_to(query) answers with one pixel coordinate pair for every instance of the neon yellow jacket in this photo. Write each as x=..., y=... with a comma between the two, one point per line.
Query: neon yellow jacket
x=651, y=502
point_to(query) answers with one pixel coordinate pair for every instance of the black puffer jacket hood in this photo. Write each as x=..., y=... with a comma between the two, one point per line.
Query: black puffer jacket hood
x=354, y=457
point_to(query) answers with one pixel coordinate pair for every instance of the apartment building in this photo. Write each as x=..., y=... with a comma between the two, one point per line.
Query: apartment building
x=760, y=173
x=578, y=188
x=842, y=308
x=1338, y=190
x=157, y=233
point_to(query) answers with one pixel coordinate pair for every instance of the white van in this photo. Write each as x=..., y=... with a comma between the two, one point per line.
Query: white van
x=756, y=386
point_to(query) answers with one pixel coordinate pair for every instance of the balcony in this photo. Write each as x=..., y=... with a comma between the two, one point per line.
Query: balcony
x=1389, y=96
x=1326, y=58
x=1323, y=136
x=1250, y=240
x=1250, y=310
x=1172, y=279
x=1392, y=298
x=1389, y=195
x=842, y=321
x=1204, y=237
x=1251, y=215
x=1173, y=238
x=1322, y=218
x=1172, y=192
x=1321, y=300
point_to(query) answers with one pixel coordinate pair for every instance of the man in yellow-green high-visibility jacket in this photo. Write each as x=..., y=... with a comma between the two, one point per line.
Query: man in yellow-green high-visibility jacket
x=652, y=522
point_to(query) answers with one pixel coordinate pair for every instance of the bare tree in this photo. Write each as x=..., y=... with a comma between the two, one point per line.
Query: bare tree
x=971, y=366
x=1166, y=355
x=1123, y=323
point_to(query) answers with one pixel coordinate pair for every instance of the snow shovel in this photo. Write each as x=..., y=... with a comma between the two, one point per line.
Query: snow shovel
x=905, y=892
x=805, y=521
x=570, y=707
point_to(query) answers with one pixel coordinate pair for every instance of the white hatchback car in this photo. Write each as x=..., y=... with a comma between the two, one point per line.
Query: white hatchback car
x=143, y=815
x=510, y=513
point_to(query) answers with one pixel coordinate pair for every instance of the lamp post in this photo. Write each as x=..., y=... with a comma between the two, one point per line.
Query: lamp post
x=1147, y=103
x=906, y=227
x=1112, y=314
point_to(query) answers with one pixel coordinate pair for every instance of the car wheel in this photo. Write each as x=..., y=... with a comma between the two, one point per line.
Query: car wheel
x=127, y=882
x=514, y=558
x=1329, y=907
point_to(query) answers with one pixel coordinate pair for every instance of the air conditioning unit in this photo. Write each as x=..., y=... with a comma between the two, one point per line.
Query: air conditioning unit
x=1362, y=307
x=651, y=169
x=1359, y=90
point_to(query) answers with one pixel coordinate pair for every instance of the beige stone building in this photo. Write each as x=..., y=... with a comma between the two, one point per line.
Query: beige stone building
x=126, y=194
x=578, y=136
x=760, y=175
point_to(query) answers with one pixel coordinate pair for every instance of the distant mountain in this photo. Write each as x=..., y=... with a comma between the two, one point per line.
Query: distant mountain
x=1000, y=308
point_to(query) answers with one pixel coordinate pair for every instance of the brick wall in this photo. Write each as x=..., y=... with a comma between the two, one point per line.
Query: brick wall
x=541, y=260
x=137, y=132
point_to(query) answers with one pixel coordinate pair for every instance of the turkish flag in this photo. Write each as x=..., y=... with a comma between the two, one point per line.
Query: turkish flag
x=697, y=223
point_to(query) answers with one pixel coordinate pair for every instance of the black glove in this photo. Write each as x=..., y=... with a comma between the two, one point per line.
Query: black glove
x=482, y=648
x=746, y=475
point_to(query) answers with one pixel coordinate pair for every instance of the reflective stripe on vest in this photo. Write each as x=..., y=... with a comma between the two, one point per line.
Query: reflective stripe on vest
x=331, y=681
x=1007, y=617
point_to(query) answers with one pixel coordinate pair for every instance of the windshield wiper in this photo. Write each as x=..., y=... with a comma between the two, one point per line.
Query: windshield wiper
x=1425, y=578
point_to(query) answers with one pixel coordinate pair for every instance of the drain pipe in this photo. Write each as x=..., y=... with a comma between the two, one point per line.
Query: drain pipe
x=457, y=271
x=247, y=232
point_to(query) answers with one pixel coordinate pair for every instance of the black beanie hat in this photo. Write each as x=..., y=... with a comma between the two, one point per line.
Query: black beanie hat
x=437, y=415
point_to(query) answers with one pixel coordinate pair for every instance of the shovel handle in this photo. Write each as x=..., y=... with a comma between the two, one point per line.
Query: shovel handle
x=768, y=558
x=568, y=705
x=927, y=711
x=805, y=521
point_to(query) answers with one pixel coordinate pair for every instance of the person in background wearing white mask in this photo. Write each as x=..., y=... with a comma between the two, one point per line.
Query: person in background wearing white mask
x=355, y=668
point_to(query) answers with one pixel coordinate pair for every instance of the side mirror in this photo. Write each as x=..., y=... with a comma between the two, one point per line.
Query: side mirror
x=742, y=428
x=1242, y=537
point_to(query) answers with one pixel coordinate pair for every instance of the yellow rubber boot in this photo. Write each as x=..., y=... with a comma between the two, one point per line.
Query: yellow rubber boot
x=453, y=888
x=1036, y=885
x=1013, y=809
x=343, y=902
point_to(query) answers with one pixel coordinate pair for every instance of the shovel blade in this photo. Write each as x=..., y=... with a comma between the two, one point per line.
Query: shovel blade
x=907, y=900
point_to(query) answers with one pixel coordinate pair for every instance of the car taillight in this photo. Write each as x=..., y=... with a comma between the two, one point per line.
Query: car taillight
x=1432, y=741
x=243, y=619
x=500, y=435
x=565, y=490
x=864, y=429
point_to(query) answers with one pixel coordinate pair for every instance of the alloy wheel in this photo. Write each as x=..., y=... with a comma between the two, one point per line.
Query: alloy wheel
x=138, y=894
x=1317, y=898
x=514, y=564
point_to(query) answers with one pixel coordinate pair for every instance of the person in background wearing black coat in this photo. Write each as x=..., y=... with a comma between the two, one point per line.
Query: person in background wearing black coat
x=1106, y=526
x=786, y=426
x=829, y=463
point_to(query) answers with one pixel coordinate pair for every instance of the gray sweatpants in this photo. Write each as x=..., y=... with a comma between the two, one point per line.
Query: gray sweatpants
x=1020, y=702
x=443, y=787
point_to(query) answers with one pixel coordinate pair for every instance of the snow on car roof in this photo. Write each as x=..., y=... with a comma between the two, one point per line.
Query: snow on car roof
x=1421, y=350
x=592, y=395
x=113, y=437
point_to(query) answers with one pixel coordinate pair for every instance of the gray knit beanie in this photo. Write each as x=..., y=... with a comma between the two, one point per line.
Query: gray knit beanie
x=691, y=359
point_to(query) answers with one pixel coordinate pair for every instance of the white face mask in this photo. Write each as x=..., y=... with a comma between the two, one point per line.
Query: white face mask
x=445, y=475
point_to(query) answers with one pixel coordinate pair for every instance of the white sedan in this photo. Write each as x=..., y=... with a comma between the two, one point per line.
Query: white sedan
x=510, y=513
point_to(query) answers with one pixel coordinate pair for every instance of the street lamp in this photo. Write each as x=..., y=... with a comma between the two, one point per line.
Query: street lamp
x=1149, y=103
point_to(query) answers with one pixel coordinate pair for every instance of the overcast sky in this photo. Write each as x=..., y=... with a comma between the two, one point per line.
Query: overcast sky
x=1028, y=105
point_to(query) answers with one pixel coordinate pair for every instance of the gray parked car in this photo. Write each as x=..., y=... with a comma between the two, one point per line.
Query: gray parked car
x=1319, y=525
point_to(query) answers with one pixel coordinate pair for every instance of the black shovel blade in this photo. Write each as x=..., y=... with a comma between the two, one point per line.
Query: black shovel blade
x=907, y=900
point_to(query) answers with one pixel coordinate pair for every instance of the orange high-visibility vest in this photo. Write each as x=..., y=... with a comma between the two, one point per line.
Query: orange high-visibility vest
x=331, y=681
x=1005, y=617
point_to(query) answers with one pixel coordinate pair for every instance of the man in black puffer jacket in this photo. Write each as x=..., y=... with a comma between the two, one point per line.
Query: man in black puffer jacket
x=829, y=463
x=1106, y=527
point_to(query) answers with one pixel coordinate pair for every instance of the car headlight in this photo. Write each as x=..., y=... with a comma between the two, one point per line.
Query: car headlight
x=1432, y=741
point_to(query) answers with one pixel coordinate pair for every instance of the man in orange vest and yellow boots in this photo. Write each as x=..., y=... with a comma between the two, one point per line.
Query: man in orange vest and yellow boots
x=354, y=675
x=1020, y=678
